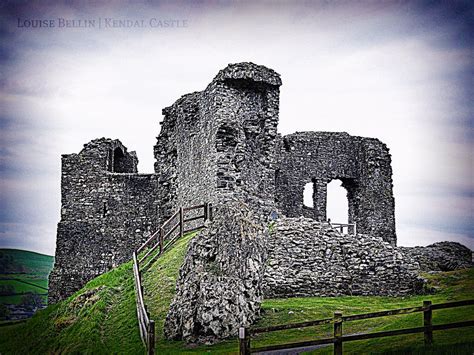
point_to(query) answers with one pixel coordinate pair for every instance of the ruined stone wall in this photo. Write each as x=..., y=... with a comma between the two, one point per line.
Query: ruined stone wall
x=307, y=258
x=220, y=143
x=104, y=214
x=362, y=164
x=219, y=146
x=245, y=116
x=183, y=162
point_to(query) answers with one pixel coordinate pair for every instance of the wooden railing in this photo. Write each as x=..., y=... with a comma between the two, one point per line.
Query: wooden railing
x=145, y=324
x=350, y=227
x=338, y=319
x=173, y=229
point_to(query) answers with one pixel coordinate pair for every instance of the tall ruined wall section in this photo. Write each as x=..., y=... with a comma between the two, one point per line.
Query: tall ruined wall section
x=362, y=164
x=220, y=143
x=308, y=258
x=245, y=116
x=220, y=283
x=107, y=210
x=184, y=162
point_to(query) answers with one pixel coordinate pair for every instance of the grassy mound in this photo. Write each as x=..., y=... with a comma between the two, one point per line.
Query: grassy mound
x=101, y=318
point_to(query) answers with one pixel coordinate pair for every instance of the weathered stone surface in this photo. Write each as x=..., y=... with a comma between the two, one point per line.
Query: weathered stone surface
x=219, y=288
x=221, y=143
x=442, y=256
x=308, y=258
x=107, y=210
x=362, y=164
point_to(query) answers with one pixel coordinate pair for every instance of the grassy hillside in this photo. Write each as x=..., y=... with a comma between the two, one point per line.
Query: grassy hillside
x=101, y=318
x=21, y=272
x=16, y=261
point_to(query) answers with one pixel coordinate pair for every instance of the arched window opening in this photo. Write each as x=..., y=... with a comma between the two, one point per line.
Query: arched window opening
x=308, y=193
x=337, y=203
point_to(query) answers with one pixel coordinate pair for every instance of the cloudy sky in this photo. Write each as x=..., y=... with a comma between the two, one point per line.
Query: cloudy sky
x=396, y=70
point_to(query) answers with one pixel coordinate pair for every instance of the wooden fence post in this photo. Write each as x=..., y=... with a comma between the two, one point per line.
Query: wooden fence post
x=151, y=337
x=181, y=222
x=337, y=333
x=162, y=234
x=427, y=322
x=244, y=341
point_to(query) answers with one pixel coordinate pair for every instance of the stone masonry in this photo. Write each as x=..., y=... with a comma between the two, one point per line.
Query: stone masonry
x=442, y=256
x=219, y=287
x=221, y=143
x=308, y=258
x=107, y=210
x=362, y=164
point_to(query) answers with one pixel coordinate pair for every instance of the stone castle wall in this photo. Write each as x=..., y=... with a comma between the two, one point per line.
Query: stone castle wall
x=441, y=256
x=219, y=144
x=308, y=258
x=362, y=164
x=219, y=286
x=107, y=210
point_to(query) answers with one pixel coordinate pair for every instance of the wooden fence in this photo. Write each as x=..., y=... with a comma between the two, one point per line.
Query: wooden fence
x=173, y=229
x=350, y=227
x=338, y=319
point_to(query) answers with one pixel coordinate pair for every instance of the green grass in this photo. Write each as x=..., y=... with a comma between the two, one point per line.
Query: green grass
x=27, y=266
x=456, y=285
x=105, y=320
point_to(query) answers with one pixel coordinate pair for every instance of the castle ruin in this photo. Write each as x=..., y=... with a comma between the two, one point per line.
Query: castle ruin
x=221, y=145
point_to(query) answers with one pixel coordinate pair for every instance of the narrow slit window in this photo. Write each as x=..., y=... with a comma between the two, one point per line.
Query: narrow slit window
x=308, y=195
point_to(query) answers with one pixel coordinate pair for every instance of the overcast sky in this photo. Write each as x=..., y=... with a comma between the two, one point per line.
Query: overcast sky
x=397, y=71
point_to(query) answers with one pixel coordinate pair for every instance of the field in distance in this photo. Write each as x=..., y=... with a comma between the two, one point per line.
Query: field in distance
x=23, y=273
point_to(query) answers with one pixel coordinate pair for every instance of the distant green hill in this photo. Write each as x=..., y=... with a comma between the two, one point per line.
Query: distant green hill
x=17, y=261
x=23, y=272
x=101, y=317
